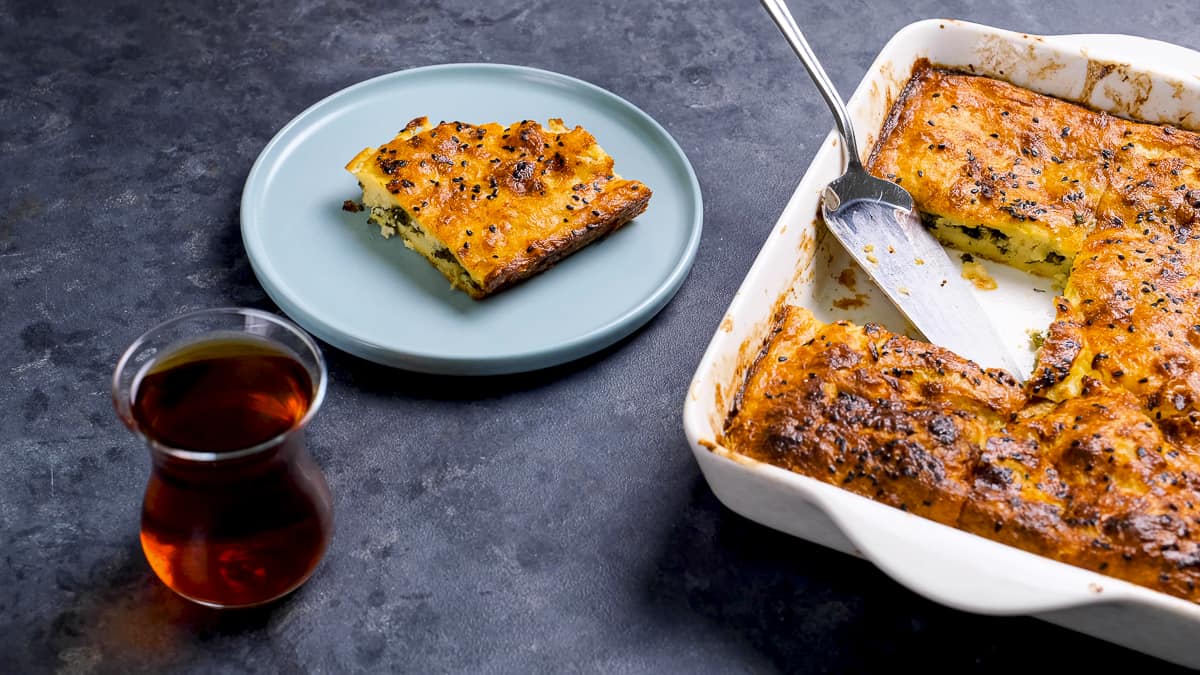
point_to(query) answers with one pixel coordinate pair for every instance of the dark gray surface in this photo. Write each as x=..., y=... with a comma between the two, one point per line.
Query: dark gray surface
x=546, y=522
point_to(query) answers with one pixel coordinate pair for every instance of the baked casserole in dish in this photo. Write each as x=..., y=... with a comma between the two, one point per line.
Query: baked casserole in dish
x=805, y=404
x=1096, y=461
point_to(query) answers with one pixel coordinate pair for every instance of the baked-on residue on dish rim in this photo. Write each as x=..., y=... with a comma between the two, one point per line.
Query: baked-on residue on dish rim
x=799, y=264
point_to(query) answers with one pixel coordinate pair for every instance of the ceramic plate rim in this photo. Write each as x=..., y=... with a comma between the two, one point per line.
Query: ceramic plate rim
x=637, y=314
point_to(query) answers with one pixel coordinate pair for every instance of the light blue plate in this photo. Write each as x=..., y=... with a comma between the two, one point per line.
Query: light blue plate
x=332, y=273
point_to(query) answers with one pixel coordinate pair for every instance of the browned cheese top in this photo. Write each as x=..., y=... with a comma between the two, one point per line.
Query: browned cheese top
x=501, y=198
x=1089, y=481
x=1096, y=462
x=991, y=153
x=1121, y=198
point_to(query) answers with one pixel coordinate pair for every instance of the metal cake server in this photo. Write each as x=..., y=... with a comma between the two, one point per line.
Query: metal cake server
x=875, y=221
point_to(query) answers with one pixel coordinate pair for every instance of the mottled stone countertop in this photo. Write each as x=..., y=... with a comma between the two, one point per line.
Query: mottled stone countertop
x=553, y=521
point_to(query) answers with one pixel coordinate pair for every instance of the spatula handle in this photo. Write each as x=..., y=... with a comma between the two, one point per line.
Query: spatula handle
x=787, y=25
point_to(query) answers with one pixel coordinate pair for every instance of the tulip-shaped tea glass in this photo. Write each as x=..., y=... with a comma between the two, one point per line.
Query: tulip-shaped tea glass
x=236, y=512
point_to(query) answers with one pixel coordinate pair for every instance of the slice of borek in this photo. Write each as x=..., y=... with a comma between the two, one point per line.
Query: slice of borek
x=490, y=205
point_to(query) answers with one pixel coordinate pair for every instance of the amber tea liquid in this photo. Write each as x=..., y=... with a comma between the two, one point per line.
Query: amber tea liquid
x=245, y=524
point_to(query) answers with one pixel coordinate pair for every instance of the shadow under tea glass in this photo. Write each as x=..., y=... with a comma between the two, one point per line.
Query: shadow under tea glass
x=236, y=512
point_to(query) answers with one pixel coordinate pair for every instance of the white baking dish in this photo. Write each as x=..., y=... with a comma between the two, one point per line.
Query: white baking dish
x=799, y=263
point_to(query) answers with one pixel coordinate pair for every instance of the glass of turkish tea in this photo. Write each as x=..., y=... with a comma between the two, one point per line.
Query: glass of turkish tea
x=236, y=512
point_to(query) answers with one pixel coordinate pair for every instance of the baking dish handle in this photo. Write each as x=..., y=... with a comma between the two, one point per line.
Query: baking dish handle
x=1156, y=53
x=973, y=574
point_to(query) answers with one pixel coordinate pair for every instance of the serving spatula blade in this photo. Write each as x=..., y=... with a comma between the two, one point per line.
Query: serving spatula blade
x=874, y=220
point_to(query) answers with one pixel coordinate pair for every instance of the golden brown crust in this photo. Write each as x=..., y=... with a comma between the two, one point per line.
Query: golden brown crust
x=1090, y=481
x=1128, y=313
x=836, y=402
x=617, y=206
x=507, y=202
x=1097, y=462
x=1134, y=291
x=985, y=153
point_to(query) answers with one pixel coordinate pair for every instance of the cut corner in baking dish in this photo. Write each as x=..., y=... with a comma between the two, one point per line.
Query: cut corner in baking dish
x=834, y=287
x=800, y=264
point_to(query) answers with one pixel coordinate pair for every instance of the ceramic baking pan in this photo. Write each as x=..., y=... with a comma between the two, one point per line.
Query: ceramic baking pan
x=1127, y=76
